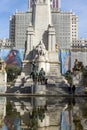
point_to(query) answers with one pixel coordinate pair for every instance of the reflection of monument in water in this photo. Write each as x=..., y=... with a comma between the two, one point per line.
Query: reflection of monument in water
x=47, y=116
x=2, y=111
x=41, y=41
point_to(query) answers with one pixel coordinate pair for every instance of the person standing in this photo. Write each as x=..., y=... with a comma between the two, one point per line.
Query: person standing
x=73, y=89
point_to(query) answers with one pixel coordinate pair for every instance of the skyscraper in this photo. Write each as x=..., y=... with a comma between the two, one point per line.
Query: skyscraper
x=19, y=23
x=66, y=26
x=65, y=23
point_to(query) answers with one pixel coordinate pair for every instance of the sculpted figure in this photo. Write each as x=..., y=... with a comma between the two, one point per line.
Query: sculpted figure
x=34, y=72
x=41, y=50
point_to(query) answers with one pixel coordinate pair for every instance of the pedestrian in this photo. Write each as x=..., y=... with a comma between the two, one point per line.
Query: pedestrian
x=73, y=89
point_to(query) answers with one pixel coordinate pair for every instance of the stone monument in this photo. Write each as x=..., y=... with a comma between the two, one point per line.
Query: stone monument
x=41, y=41
x=3, y=77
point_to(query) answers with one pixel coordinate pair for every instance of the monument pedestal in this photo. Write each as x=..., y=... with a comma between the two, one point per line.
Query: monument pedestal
x=26, y=67
x=54, y=64
x=40, y=89
x=49, y=61
x=3, y=81
x=3, y=77
x=41, y=42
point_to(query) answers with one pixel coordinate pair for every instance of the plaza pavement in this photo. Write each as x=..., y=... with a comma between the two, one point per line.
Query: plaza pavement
x=51, y=90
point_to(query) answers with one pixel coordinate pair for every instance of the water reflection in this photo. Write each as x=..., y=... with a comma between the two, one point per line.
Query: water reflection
x=41, y=113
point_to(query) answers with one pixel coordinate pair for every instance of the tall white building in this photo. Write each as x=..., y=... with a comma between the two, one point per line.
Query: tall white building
x=79, y=51
x=19, y=23
x=65, y=23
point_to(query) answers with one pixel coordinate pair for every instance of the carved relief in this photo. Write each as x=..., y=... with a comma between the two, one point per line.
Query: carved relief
x=41, y=51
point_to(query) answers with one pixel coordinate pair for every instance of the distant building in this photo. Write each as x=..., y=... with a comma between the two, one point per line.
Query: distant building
x=5, y=43
x=19, y=23
x=66, y=25
x=79, y=51
x=82, y=42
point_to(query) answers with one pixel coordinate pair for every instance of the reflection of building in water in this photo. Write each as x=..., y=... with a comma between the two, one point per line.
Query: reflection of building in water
x=2, y=110
x=66, y=120
x=50, y=115
x=72, y=116
x=46, y=114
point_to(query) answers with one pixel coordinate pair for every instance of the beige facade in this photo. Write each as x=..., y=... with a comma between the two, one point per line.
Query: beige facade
x=79, y=51
x=5, y=43
x=65, y=23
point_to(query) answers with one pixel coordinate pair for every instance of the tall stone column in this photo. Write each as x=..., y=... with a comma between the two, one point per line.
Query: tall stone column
x=51, y=38
x=30, y=37
x=41, y=18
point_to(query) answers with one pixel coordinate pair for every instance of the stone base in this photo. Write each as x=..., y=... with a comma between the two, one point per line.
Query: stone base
x=54, y=79
x=54, y=69
x=50, y=68
x=26, y=67
x=40, y=89
x=3, y=82
x=54, y=64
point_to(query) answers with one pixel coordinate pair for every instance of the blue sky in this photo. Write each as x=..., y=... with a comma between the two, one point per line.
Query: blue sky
x=8, y=8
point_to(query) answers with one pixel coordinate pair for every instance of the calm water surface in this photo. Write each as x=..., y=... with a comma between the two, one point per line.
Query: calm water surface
x=41, y=113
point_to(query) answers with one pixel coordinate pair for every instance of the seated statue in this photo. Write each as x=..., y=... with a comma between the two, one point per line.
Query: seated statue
x=41, y=50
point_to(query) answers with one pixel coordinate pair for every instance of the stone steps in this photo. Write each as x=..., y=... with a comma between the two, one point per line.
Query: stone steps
x=28, y=81
x=57, y=79
x=54, y=90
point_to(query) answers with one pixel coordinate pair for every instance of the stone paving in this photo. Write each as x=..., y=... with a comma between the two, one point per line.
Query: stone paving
x=56, y=89
x=51, y=89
